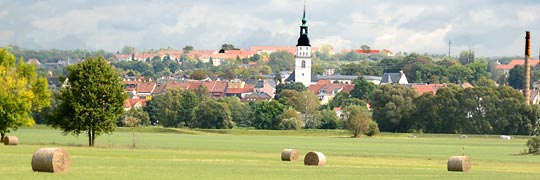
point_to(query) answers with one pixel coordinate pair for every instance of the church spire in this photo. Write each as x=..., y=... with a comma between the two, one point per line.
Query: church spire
x=304, y=20
x=303, y=40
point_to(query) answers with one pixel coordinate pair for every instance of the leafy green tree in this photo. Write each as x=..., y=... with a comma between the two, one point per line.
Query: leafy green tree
x=266, y=115
x=424, y=113
x=373, y=129
x=131, y=121
x=21, y=92
x=212, y=114
x=357, y=120
x=484, y=81
x=466, y=57
x=239, y=112
x=362, y=88
x=198, y=74
x=187, y=49
x=297, y=86
x=287, y=97
x=365, y=48
x=308, y=104
x=138, y=113
x=329, y=119
x=342, y=99
x=281, y=61
x=516, y=77
x=226, y=47
x=188, y=102
x=290, y=120
x=392, y=105
x=128, y=50
x=92, y=101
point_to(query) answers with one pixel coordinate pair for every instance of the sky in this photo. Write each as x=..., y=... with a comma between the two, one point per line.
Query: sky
x=488, y=27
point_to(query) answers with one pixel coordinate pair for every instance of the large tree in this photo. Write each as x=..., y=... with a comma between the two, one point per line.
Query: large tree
x=392, y=105
x=516, y=77
x=21, y=92
x=357, y=120
x=266, y=115
x=308, y=104
x=363, y=88
x=281, y=61
x=91, y=102
x=212, y=114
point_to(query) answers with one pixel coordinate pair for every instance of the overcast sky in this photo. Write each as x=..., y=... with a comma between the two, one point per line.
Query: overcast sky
x=489, y=27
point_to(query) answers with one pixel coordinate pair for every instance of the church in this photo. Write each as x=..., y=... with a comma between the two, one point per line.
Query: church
x=302, y=65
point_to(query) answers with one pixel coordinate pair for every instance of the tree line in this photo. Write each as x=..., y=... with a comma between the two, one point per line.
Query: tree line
x=478, y=110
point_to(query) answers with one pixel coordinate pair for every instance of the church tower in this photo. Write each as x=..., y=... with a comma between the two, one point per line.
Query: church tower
x=302, y=65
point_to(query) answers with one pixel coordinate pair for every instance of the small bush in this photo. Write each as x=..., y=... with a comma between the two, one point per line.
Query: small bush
x=533, y=144
x=289, y=124
x=373, y=129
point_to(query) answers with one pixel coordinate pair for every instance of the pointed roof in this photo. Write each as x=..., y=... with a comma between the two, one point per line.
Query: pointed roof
x=303, y=40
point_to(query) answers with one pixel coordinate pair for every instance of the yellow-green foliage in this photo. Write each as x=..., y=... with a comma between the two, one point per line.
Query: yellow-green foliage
x=21, y=92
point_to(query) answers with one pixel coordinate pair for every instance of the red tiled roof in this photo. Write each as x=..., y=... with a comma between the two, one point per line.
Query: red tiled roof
x=361, y=51
x=239, y=90
x=129, y=103
x=511, y=64
x=347, y=88
x=147, y=87
x=427, y=88
x=329, y=88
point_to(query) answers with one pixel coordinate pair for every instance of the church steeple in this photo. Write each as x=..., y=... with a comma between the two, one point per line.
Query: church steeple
x=303, y=40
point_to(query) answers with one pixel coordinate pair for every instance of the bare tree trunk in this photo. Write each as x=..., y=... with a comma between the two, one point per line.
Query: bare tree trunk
x=133, y=131
x=93, y=138
x=89, y=137
x=3, y=134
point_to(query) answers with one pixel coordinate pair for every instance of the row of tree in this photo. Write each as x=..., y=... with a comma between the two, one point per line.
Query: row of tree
x=479, y=110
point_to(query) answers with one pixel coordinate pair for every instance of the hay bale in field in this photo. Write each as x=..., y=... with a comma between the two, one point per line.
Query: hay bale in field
x=289, y=155
x=11, y=140
x=459, y=163
x=314, y=158
x=463, y=136
x=50, y=160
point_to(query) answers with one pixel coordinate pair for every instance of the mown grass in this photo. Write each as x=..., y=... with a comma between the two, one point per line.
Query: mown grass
x=253, y=154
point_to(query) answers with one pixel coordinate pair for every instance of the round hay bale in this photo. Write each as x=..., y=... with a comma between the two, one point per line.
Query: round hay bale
x=314, y=158
x=289, y=155
x=50, y=160
x=459, y=163
x=11, y=140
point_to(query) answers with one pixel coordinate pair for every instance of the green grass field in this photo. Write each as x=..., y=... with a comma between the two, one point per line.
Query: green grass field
x=253, y=154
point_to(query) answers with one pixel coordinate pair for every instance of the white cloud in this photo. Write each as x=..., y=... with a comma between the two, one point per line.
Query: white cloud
x=3, y=14
x=192, y=18
x=335, y=41
x=421, y=26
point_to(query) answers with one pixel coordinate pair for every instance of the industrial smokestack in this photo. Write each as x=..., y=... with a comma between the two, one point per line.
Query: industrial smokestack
x=526, y=88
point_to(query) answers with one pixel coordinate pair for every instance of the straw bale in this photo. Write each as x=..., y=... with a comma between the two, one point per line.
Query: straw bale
x=314, y=158
x=459, y=163
x=51, y=160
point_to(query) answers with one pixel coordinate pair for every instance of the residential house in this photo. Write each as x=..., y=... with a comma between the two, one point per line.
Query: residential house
x=427, y=88
x=134, y=103
x=325, y=90
x=394, y=78
x=253, y=97
x=506, y=67
x=263, y=86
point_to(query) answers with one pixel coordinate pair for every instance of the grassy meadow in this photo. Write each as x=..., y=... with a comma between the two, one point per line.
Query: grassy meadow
x=255, y=154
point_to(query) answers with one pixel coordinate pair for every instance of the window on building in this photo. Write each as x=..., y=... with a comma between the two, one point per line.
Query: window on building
x=303, y=63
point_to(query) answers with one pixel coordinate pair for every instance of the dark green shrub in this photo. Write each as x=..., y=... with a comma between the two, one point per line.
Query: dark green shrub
x=373, y=129
x=533, y=144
